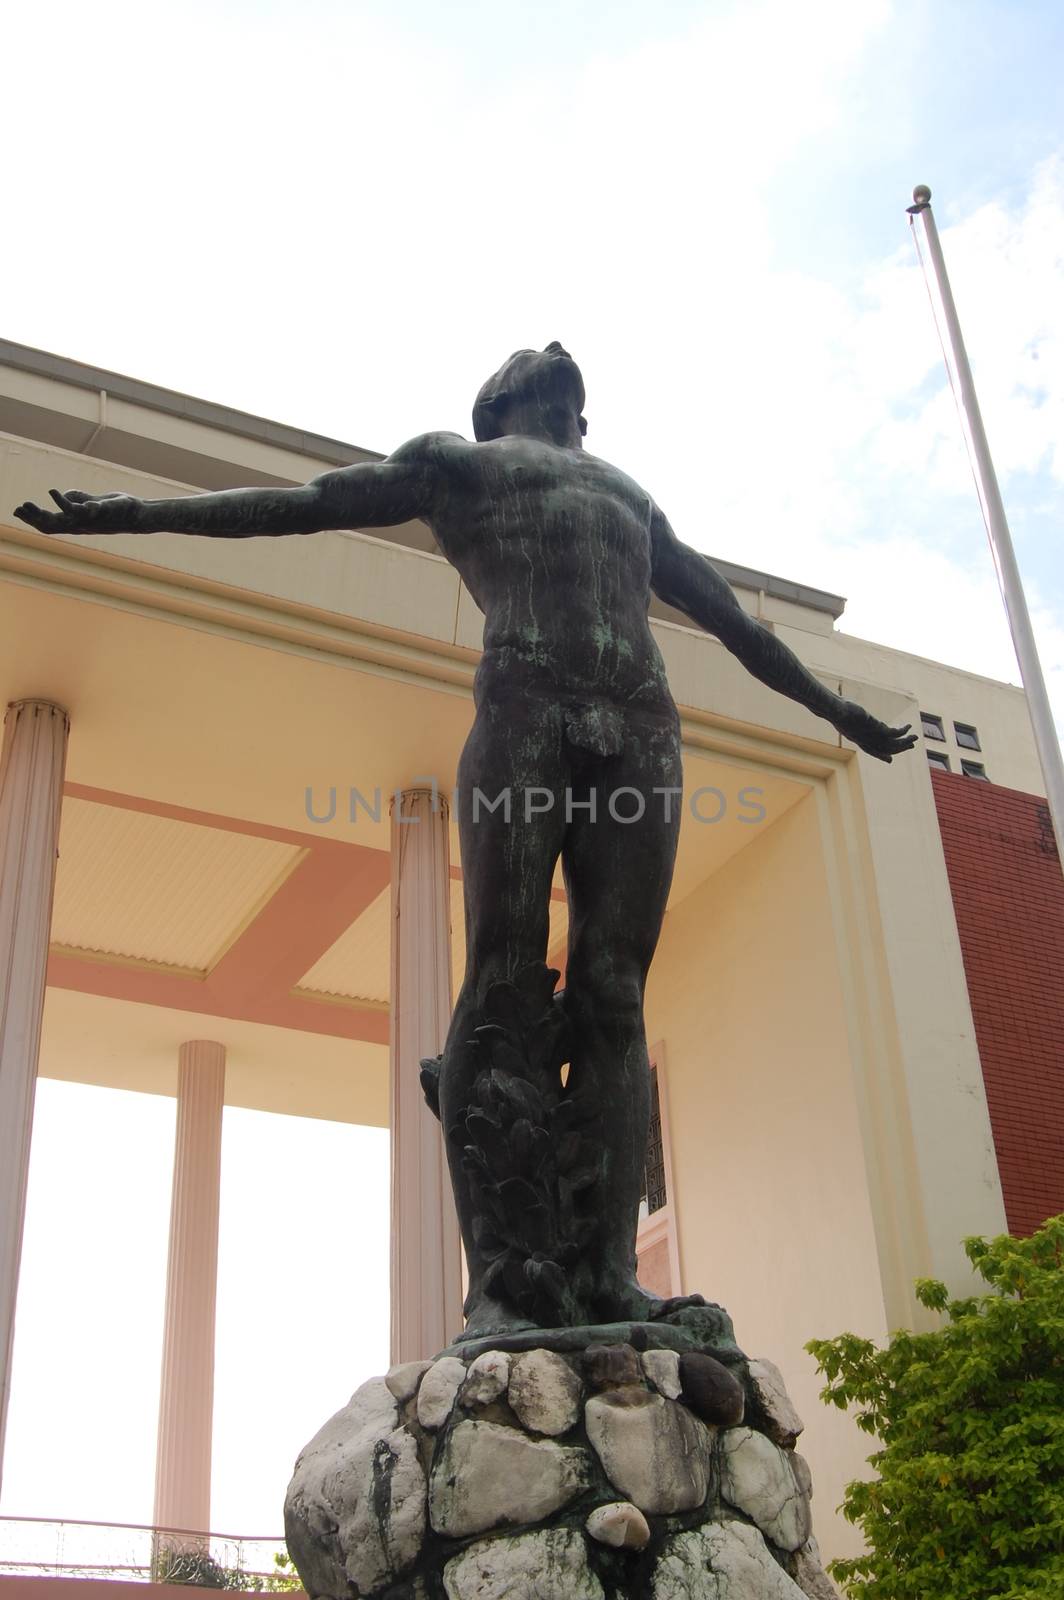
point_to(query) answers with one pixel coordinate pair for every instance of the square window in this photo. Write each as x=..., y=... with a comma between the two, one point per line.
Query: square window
x=932, y=726
x=967, y=735
x=973, y=769
x=936, y=758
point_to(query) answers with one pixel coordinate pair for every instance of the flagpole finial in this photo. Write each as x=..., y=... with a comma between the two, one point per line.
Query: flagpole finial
x=921, y=200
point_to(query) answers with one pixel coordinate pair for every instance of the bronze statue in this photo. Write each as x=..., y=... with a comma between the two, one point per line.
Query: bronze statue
x=561, y=552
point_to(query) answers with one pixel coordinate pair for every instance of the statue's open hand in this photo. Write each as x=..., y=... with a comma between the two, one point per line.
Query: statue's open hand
x=871, y=735
x=82, y=513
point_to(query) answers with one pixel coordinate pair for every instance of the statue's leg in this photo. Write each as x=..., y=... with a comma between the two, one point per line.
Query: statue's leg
x=508, y=860
x=618, y=875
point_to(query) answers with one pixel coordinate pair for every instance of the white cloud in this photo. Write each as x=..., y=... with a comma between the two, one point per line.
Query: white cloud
x=1006, y=269
x=310, y=217
x=831, y=451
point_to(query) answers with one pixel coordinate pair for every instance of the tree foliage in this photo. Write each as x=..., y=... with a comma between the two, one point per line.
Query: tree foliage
x=968, y=1501
x=199, y=1570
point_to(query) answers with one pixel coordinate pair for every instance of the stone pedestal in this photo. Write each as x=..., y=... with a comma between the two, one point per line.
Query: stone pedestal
x=559, y=1475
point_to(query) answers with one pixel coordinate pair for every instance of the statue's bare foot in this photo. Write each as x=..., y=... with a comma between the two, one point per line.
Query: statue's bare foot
x=633, y=1303
x=486, y=1318
x=661, y=1310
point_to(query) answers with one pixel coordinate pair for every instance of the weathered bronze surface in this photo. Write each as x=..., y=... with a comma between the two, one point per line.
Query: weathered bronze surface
x=574, y=720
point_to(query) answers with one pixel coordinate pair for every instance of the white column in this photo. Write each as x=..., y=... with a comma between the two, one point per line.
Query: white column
x=31, y=787
x=186, y=1400
x=426, y=1249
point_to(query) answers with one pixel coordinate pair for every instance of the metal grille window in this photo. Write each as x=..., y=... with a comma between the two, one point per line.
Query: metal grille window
x=967, y=735
x=932, y=726
x=654, y=1190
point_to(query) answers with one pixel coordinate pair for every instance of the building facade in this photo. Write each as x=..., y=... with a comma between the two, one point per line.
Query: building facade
x=219, y=734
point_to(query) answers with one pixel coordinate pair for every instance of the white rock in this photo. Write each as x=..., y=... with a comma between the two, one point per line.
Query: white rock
x=380, y=1543
x=545, y=1392
x=550, y=1564
x=662, y=1367
x=355, y=1509
x=802, y=1475
x=620, y=1524
x=403, y=1380
x=439, y=1386
x=810, y=1576
x=371, y=1407
x=488, y=1378
x=756, y=1478
x=721, y=1561
x=653, y=1450
x=489, y=1476
x=782, y=1422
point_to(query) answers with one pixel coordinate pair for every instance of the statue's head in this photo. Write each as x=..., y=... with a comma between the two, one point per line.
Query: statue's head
x=547, y=381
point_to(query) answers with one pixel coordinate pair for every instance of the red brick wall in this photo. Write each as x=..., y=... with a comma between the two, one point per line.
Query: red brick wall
x=1008, y=895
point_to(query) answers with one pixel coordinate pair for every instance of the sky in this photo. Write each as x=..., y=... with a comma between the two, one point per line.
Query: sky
x=302, y=1311
x=343, y=214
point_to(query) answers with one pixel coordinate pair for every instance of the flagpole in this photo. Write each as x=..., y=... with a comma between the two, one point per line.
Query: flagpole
x=1001, y=548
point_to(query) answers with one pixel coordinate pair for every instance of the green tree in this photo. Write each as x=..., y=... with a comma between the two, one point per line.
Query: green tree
x=197, y=1568
x=287, y=1578
x=969, y=1498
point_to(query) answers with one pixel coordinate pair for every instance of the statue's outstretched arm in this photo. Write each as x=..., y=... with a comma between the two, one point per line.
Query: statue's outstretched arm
x=371, y=494
x=685, y=579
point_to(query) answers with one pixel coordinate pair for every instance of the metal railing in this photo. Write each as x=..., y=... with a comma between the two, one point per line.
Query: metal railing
x=39, y=1547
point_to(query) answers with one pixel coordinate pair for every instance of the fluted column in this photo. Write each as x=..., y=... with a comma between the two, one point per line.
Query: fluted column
x=31, y=786
x=186, y=1400
x=426, y=1250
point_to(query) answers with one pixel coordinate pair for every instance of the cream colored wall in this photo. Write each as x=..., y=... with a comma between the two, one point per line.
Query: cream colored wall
x=360, y=603
x=831, y=1141
x=391, y=587
x=926, y=1102
x=997, y=710
x=349, y=575
x=120, y=1044
x=66, y=413
x=830, y=1131
x=773, y=1209
x=349, y=592
x=76, y=417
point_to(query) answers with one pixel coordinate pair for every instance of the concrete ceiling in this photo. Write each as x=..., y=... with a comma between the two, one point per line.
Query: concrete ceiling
x=197, y=897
